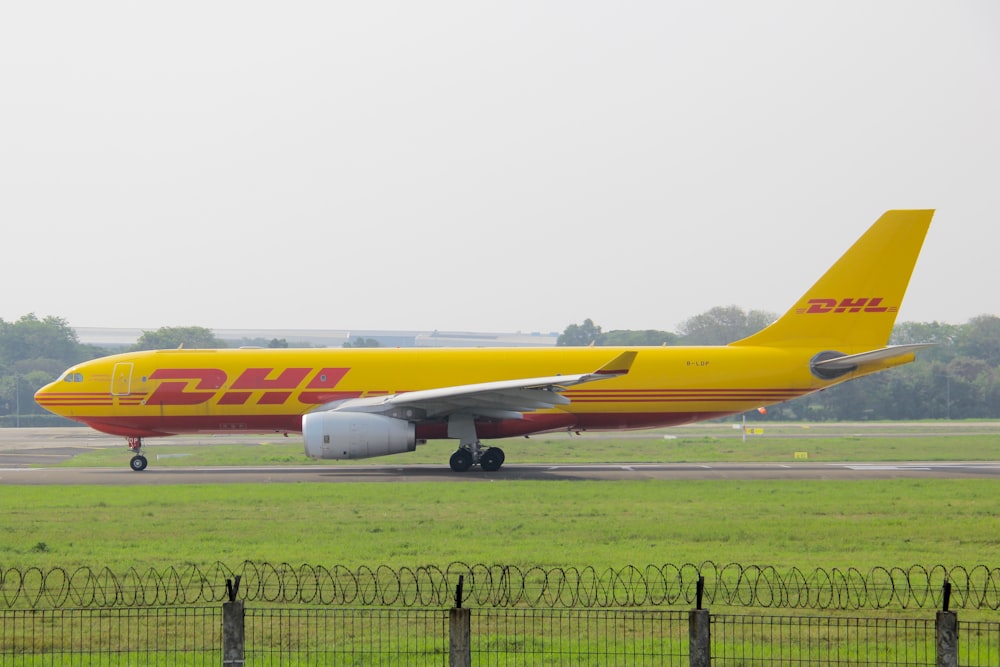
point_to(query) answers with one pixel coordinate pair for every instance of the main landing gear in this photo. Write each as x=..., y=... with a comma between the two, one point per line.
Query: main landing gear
x=470, y=450
x=138, y=462
x=489, y=459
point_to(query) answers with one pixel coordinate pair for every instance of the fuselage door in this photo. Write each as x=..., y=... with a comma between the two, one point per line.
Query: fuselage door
x=121, y=382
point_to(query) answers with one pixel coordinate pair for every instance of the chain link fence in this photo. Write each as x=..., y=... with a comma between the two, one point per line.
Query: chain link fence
x=314, y=636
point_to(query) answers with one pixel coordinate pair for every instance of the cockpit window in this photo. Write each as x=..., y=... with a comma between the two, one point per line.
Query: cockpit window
x=73, y=377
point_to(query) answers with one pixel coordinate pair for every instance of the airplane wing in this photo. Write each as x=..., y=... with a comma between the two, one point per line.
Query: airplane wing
x=504, y=399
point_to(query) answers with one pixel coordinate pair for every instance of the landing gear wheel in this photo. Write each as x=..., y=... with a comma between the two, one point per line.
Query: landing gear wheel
x=138, y=463
x=492, y=459
x=461, y=460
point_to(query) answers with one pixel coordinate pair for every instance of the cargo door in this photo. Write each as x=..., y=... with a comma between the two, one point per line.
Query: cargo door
x=121, y=380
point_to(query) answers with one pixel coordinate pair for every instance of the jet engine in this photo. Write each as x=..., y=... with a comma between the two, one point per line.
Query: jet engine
x=355, y=435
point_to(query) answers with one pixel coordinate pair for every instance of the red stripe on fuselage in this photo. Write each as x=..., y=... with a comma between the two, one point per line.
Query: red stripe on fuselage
x=155, y=426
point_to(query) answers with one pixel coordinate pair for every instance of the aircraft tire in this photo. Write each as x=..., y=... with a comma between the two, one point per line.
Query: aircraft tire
x=461, y=460
x=492, y=459
x=138, y=463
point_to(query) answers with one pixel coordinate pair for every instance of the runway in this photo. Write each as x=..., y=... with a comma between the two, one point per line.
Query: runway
x=538, y=472
x=29, y=457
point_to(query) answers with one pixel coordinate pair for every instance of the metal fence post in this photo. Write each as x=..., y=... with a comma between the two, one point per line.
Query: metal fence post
x=233, y=627
x=946, y=632
x=459, y=631
x=232, y=634
x=699, y=632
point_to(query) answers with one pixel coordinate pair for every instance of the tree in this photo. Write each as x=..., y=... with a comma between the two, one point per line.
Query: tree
x=171, y=338
x=260, y=341
x=32, y=338
x=980, y=338
x=33, y=352
x=580, y=334
x=941, y=335
x=723, y=325
x=624, y=337
x=363, y=342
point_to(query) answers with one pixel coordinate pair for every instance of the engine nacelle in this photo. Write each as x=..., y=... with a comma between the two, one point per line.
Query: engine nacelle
x=355, y=435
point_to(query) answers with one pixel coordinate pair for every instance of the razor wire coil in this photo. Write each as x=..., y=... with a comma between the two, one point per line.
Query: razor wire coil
x=493, y=585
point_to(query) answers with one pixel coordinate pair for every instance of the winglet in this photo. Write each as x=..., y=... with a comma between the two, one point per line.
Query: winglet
x=620, y=365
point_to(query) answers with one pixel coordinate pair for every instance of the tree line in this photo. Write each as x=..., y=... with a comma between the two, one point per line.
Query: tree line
x=958, y=378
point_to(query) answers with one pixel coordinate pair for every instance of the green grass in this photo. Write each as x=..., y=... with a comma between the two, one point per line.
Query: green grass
x=605, y=524
x=784, y=524
x=795, y=523
x=703, y=443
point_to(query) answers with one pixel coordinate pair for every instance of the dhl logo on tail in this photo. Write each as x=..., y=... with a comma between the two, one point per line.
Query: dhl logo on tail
x=848, y=305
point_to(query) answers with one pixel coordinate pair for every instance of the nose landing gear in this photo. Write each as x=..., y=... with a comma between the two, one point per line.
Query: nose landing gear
x=138, y=462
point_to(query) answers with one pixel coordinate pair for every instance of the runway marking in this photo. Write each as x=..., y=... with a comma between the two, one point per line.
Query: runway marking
x=32, y=454
x=886, y=467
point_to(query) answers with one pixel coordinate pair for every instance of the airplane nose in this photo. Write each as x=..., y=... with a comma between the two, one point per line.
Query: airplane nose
x=41, y=392
x=44, y=397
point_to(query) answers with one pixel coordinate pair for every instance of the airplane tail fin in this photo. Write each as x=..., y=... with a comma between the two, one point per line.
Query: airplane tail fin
x=853, y=306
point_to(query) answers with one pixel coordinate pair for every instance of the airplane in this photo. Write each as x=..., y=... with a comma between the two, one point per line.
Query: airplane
x=354, y=403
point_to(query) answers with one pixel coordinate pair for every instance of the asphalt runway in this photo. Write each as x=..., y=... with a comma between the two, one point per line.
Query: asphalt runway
x=26, y=454
x=514, y=471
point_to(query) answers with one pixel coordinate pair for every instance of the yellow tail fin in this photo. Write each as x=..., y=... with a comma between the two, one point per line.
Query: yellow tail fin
x=853, y=306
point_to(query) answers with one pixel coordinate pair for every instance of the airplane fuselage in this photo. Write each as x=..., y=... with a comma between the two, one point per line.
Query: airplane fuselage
x=186, y=391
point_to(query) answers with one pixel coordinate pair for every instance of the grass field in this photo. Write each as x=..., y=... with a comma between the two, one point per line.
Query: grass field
x=604, y=524
x=795, y=523
x=930, y=441
x=801, y=523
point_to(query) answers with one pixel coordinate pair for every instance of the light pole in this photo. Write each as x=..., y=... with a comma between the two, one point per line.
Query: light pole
x=17, y=401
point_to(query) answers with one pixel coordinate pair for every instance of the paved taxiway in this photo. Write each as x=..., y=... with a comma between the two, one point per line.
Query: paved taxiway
x=25, y=453
x=511, y=471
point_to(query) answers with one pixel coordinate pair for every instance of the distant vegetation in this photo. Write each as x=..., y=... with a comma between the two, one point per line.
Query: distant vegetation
x=959, y=378
x=172, y=338
x=719, y=326
x=33, y=352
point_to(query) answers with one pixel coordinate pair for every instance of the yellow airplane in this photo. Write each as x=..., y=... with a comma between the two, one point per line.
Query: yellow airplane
x=359, y=403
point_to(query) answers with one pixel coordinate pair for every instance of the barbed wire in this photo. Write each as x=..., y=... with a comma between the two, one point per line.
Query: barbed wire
x=664, y=585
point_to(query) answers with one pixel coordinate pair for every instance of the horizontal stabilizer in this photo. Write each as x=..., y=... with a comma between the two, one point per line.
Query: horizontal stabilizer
x=849, y=362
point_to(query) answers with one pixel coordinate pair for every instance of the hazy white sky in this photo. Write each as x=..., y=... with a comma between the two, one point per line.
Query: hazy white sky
x=486, y=166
